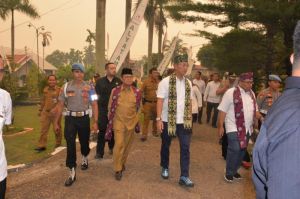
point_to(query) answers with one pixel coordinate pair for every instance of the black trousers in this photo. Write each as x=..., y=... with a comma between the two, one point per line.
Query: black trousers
x=200, y=112
x=2, y=188
x=102, y=122
x=212, y=106
x=194, y=117
x=74, y=125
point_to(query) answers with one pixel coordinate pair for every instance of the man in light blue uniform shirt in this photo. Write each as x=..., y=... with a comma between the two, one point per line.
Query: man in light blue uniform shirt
x=276, y=155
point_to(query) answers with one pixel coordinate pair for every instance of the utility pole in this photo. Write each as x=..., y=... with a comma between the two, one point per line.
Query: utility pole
x=37, y=29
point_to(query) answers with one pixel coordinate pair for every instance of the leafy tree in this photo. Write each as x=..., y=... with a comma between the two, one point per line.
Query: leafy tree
x=57, y=58
x=9, y=7
x=276, y=19
x=237, y=51
x=33, y=81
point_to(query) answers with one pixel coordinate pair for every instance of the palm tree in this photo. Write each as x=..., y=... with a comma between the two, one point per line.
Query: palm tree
x=181, y=48
x=91, y=37
x=45, y=42
x=9, y=7
x=100, y=36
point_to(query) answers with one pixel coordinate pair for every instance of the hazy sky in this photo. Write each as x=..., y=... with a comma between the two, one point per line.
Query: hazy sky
x=68, y=20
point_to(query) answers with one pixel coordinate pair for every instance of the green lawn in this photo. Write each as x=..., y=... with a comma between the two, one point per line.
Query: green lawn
x=20, y=148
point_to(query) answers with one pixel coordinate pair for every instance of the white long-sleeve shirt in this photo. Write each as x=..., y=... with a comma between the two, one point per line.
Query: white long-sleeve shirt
x=200, y=84
x=210, y=94
x=196, y=99
x=5, y=118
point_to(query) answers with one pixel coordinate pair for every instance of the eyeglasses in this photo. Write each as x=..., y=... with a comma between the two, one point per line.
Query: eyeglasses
x=248, y=82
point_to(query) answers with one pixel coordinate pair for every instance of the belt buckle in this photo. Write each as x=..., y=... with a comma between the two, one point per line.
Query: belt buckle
x=79, y=114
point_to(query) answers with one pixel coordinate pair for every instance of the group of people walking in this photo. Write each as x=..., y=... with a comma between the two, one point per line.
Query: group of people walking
x=112, y=107
x=172, y=104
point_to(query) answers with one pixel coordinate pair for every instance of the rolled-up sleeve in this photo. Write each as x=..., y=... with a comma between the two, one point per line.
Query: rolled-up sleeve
x=226, y=101
x=8, y=109
x=162, y=90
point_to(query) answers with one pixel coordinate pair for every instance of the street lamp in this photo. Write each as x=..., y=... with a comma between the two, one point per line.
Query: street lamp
x=37, y=40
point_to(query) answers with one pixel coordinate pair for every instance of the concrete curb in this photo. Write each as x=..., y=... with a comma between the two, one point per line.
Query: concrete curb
x=19, y=167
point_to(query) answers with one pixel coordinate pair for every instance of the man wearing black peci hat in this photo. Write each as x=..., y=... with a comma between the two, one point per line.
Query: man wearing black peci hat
x=123, y=117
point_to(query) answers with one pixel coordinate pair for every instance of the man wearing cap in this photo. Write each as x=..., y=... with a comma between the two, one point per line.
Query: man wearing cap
x=174, y=118
x=149, y=89
x=238, y=109
x=268, y=96
x=5, y=119
x=47, y=113
x=276, y=157
x=201, y=86
x=123, y=117
x=77, y=95
x=103, y=88
x=212, y=99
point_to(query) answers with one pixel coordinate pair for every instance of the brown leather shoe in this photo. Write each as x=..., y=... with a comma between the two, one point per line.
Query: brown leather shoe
x=118, y=175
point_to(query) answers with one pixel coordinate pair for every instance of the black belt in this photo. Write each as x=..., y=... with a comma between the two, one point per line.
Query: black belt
x=149, y=101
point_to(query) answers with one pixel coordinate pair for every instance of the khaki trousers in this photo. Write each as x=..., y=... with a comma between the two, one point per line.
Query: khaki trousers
x=123, y=142
x=46, y=120
x=149, y=114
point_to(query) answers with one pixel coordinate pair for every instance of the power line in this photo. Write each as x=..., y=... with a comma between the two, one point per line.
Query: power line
x=49, y=11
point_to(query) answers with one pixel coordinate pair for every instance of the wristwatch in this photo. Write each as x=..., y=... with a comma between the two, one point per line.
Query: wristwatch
x=158, y=119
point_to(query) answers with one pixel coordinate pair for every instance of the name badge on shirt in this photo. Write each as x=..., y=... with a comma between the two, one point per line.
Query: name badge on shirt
x=70, y=93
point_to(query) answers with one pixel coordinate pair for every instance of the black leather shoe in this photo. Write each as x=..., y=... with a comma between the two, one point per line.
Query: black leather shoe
x=70, y=181
x=111, y=151
x=40, y=149
x=118, y=175
x=98, y=156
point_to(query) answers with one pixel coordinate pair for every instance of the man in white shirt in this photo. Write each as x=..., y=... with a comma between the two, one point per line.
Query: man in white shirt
x=238, y=109
x=212, y=99
x=5, y=119
x=174, y=118
x=201, y=86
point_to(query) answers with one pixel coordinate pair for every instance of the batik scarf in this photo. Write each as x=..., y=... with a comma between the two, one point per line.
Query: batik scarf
x=239, y=115
x=114, y=103
x=172, y=106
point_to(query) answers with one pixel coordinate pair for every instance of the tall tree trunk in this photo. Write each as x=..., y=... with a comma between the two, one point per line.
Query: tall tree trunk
x=150, y=36
x=127, y=20
x=160, y=33
x=13, y=40
x=100, y=36
x=270, y=52
x=43, y=58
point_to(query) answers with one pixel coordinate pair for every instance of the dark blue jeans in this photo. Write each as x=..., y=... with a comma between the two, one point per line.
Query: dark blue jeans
x=184, y=136
x=235, y=154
